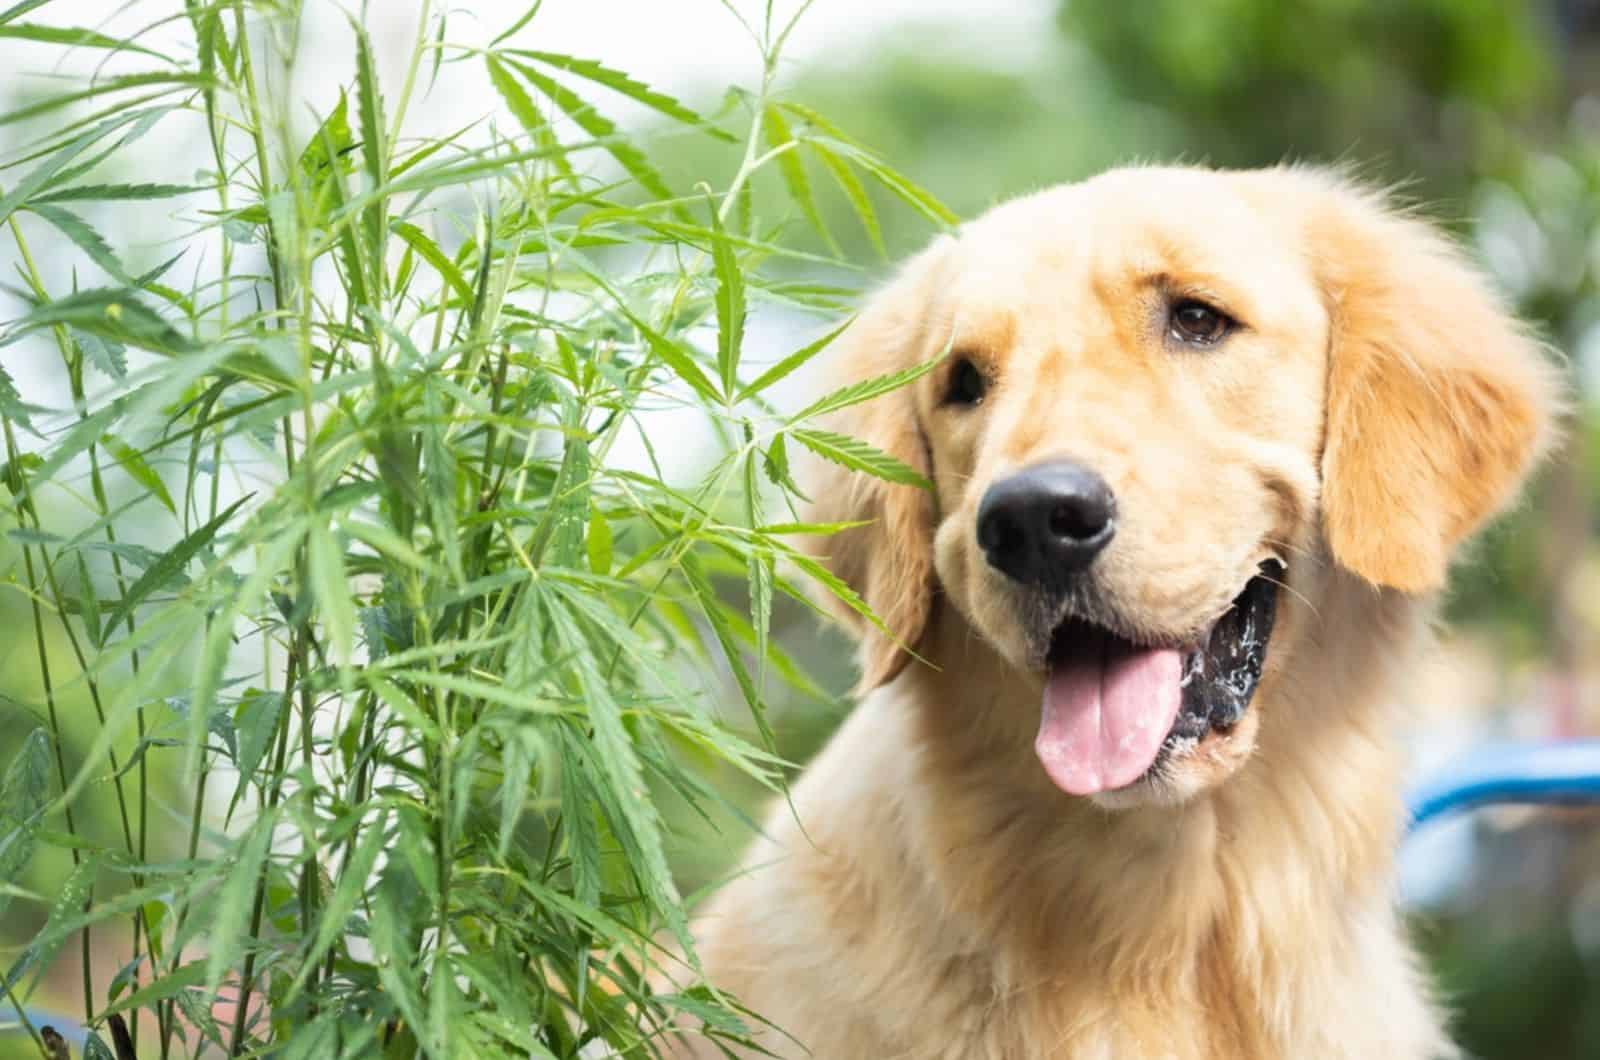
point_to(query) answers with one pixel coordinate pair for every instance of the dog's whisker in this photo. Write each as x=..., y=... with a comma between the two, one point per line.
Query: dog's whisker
x=1286, y=587
x=1288, y=546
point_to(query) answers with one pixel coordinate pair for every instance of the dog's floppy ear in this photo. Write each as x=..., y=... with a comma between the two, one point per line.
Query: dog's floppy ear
x=1438, y=402
x=888, y=561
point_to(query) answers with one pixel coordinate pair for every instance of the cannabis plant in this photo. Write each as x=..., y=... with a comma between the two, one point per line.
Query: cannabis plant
x=364, y=627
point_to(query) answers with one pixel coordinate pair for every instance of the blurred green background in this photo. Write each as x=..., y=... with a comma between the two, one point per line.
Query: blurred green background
x=1486, y=114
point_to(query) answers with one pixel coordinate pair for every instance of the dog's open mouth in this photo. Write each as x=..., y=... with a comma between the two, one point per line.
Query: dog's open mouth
x=1112, y=708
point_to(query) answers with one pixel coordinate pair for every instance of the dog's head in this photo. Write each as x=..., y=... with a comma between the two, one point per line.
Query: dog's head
x=1160, y=393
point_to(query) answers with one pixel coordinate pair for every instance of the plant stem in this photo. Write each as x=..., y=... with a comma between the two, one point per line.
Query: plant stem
x=258, y=907
x=58, y=737
x=74, y=365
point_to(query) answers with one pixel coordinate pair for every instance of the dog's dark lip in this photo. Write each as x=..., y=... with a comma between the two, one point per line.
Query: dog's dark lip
x=1222, y=664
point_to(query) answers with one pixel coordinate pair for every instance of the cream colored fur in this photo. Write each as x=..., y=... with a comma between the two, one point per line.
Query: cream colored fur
x=937, y=896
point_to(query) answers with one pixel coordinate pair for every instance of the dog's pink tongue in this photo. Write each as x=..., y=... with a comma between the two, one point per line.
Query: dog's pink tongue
x=1105, y=716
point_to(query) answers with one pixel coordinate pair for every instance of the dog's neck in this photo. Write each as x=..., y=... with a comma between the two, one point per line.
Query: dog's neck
x=1299, y=839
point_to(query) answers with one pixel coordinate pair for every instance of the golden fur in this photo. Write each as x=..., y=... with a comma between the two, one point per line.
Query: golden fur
x=938, y=897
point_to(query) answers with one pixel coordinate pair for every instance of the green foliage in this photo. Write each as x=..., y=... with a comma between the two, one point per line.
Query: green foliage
x=1254, y=83
x=421, y=649
x=1507, y=939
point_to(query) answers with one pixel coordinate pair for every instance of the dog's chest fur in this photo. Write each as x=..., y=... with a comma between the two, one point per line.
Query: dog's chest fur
x=937, y=906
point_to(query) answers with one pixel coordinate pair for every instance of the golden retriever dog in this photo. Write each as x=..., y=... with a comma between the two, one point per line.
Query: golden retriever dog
x=1124, y=782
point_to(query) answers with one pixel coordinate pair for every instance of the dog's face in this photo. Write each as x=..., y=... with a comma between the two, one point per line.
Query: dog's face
x=1158, y=395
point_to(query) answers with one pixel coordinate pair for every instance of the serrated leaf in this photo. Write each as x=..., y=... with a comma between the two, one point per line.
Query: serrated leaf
x=603, y=129
x=837, y=141
x=599, y=543
x=668, y=351
x=369, y=110
x=114, y=314
x=170, y=565
x=897, y=183
x=429, y=251
x=104, y=86
x=474, y=688
x=375, y=158
x=73, y=37
x=711, y=606
x=635, y=90
x=127, y=976
x=83, y=234
x=730, y=301
x=866, y=390
x=633, y=812
x=184, y=978
x=384, y=541
x=42, y=176
x=115, y=193
x=255, y=722
x=357, y=267
x=77, y=440
x=793, y=168
x=516, y=766
x=390, y=935
x=23, y=793
x=272, y=558
x=67, y=912
x=516, y=97
x=405, y=708
x=225, y=937
x=107, y=356
x=439, y=480
x=138, y=555
x=854, y=192
x=89, y=603
x=813, y=118
x=333, y=918
x=329, y=142
x=525, y=657
x=859, y=456
x=569, y=502
x=791, y=672
x=840, y=590
x=789, y=364
x=578, y=802
x=527, y=114
x=141, y=472
x=332, y=589
x=775, y=462
x=439, y=49
x=677, y=358
x=11, y=404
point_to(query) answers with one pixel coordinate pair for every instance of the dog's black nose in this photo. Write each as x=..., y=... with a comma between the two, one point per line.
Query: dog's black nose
x=1046, y=521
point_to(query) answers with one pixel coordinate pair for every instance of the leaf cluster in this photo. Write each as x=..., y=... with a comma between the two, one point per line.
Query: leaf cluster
x=388, y=712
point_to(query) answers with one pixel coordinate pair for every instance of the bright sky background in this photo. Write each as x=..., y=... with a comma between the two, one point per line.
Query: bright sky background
x=691, y=48
x=695, y=47
x=682, y=43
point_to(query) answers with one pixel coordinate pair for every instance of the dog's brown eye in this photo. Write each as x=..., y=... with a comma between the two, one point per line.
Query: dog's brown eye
x=967, y=384
x=1198, y=324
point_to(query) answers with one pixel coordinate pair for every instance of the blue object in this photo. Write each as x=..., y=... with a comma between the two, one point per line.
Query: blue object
x=69, y=1029
x=1561, y=773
